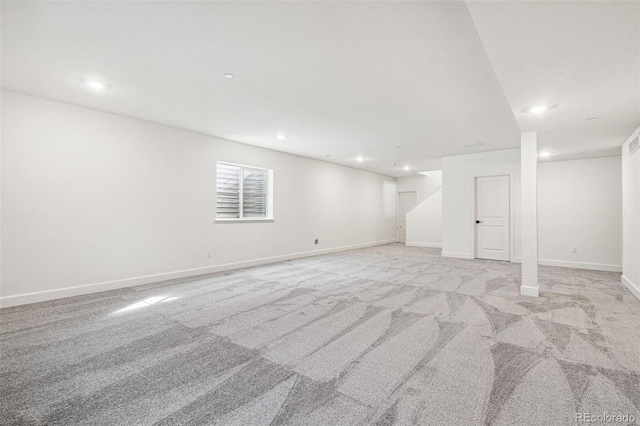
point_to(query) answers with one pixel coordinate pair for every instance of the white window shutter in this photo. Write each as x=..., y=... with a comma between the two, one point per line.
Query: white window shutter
x=254, y=193
x=228, y=191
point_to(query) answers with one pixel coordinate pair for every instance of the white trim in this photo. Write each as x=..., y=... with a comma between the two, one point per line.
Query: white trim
x=249, y=220
x=633, y=288
x=574, y=265
x=581, y=265
x=457, y=255
x=432, y=245
x=512, y=214
x=526, y=290
x=42, y=296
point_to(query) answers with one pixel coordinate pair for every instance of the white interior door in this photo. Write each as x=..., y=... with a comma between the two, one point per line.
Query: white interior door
x=492, y=217
x=406, y=201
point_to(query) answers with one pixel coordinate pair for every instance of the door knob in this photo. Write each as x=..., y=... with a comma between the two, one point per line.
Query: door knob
x=478, y=221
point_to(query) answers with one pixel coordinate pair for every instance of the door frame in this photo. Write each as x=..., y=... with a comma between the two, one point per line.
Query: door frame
x=474, y=210
x=398, y=210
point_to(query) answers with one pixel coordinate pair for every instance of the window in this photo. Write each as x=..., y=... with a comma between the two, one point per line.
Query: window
x=243, y=192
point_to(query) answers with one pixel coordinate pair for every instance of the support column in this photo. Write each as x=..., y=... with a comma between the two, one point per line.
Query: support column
x=529, y=194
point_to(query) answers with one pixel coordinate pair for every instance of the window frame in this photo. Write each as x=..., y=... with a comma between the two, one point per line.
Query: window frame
x=269, y=211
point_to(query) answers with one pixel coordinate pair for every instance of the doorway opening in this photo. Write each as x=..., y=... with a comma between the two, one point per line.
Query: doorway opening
x=406, y=201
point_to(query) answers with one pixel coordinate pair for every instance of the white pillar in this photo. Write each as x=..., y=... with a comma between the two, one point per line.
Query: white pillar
x=529, y=194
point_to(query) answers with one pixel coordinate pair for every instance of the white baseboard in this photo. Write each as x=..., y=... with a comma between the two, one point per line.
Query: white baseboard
x=43, y=296
x=633, y=288
x=581, y=265
x=457, y=255
x=526, y=290
x=414, y=244
x=575, y=265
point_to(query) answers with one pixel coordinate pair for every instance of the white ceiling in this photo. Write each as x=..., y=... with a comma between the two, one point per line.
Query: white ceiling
x=345, y=79
x=582, y=56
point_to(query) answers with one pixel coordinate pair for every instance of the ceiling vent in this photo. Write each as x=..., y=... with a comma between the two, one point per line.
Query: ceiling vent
x=633, y=146
x=471, y=145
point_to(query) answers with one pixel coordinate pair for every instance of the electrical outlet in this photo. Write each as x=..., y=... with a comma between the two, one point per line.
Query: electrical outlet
x=574, y=249
x=208, y=253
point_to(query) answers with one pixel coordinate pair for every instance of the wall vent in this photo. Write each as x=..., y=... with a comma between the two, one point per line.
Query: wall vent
x=633, y=146
x=471, y=145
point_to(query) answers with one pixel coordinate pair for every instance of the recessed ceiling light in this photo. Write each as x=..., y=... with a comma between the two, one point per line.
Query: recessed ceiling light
x=538, y=109
x=398, y=146
x=545, y=154
x=407, y=168
x=96, y=84
x=281, y=137
x=592, y=119
x=360, y=159
x=229, y=76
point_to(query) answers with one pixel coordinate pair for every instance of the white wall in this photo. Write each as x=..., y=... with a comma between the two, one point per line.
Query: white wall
x=631, y=217
x=458, y=181
x=580, y=205
x=104, y=201
x=424, y=221
x=421, y=184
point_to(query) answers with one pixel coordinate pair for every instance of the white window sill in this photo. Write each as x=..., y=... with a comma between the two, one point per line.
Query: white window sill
x=244, y=220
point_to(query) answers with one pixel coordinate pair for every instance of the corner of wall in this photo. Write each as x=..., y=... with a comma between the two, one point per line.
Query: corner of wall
x=634, y=288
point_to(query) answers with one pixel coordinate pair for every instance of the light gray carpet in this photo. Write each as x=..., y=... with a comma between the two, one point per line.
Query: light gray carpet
x=385, y=335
